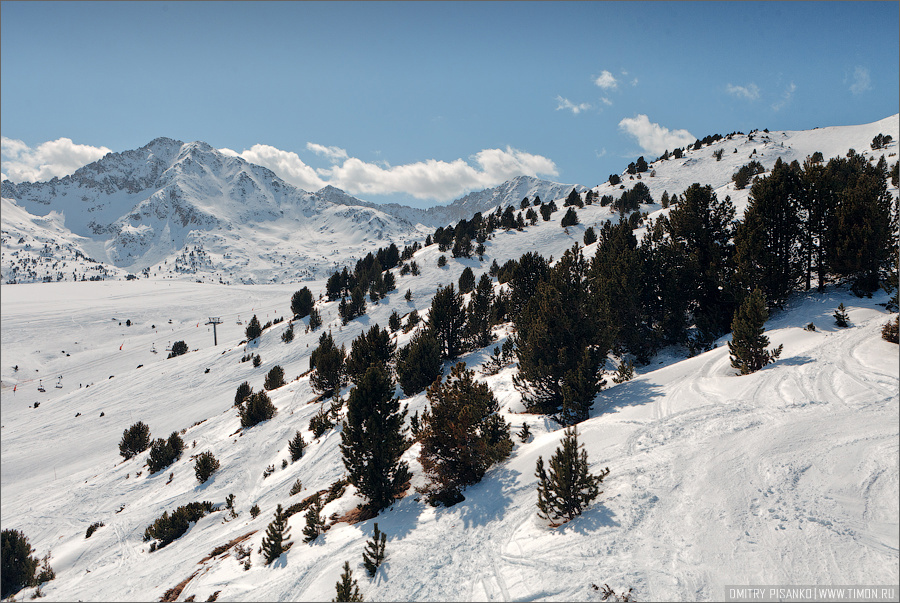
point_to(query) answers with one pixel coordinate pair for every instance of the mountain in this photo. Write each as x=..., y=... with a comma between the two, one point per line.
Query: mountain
x=228, y=220
x=788, y=475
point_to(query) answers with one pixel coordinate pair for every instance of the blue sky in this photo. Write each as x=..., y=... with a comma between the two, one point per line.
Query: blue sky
x=421, y=102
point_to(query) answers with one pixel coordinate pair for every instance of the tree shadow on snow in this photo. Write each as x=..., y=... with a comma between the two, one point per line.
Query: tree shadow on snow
x=486, y=500
x=591, y=520
x=630, y=393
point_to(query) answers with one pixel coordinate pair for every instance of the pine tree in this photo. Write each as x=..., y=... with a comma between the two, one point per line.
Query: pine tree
x=296, y=446
x=374, y=346
x=315, y=524
x=347, y=589
x=462, y=436
x=447, y=319
x=478, y=314
x=242, y=392
x=569, y=488
x=328, y=361
x=748, y=344
x=315, y=320
x=254, y=329
x=419, y=363
x=466, y=280
x=373, y=555
x=394, y=322
x=590, y=236
x=301, y=303
x=570, y=219
x=19, y=566
x=274, y=378
x=372, y=439
x=135, y=440
x=840, y=317
x=256, y=408
x=165, y=452
x=205, y=465
x=288, y=335
x=273, y=543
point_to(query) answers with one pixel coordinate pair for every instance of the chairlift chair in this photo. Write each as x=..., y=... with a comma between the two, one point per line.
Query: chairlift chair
x=153, y=348
x=59, y=382
x=41, y=386
x=169, y=347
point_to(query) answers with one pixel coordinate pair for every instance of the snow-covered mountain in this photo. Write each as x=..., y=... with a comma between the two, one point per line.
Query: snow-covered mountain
x=786, y=476
x=143, y=209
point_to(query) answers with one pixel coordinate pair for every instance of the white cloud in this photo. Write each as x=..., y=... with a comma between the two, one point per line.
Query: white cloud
x=861, y=81
x=785, y=98
x=564, y=103
x=606, y=101
x=60, y=157
x=634, y=82
x=750, y=91
x=333, y=153
x=430, y=179
x=600, y=153
x=655, y=138
x=286, y=164
x=606, y=80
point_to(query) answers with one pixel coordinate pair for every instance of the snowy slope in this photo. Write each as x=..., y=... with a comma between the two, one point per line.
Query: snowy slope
x=789, y=475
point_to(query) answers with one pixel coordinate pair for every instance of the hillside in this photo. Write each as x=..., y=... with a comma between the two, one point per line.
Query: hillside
x=788, y=475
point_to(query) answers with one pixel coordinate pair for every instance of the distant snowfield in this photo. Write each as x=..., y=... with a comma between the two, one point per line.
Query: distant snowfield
x=786, y=476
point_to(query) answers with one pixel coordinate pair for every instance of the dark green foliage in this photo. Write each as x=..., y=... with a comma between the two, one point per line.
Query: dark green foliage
x=179, y=348
x=569, y=487
x=274, y=378
x=524, y=277
x=767, y=242
x=573, y=199
x=168, y=528
x=394, y=322
x=748, y=344
x=466, y=280
x=315, y=523
x=253, y=329
x=205, y=465
x=560, y=341
x=742, y=177
x=302, y=303
x=641, y=165
x=478, y=313
x=419, y=363
x=315, y=320
x=296, y=446
x=524, y=433
x=895, y=174
x=135, y=440
x=590, y=236
x=297, y=488
x=325, y=419
x=890, y=332
x=242, y=392
x=372, y=347
x=93, y=528
x=255, y=409
x=165, y=452
x=328, y=361
x=19, y=566
x=840, y=316
x=373, y=439
x=346, y=589
x=570, y=219
x=614, y=179
x=408, y=295
x=254, y=511
x=462, y=435
x=288, y=335
x=664, y=200
x=881, y=140
x=273, y=543
x=442, y=261
x=257, y=361
x=373, y=555
x=353, y=308
x=624, y=373
x=632, y=199
x=446, y=320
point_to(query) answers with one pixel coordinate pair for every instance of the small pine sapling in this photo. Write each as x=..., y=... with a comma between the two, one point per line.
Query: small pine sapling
x=273, y=544
x=347, y=589
x=624, y=373
x=254, y=511
x=568, y=488
x=373, y=555
x=840, y=316
x=524, y=433
x=205, y=465
x=296, y=446
x=297, y=487
x=315, y=524
x=890, y=332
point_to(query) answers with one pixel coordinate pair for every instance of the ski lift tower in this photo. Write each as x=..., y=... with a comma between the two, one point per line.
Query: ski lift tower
x=214, y=320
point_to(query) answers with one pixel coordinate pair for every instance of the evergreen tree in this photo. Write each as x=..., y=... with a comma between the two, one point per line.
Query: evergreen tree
x=256, y=408
x=254, y=329
x=288, y=335
x=274, y=378
x=328, y=361
x=135, y=440
x=165, y=452
x=273, y=543
x=374, y=346
x=462, y=436
x=530, y=270
x=346, y=589
x=447, y=319
x=315, y=320
x=296, y=446
x=315, y=523
x=466, y=280
x=205, y=465
x=569, y=488
x=179, y=348
x=545, y=211
x=570, y=219
x=840, y=317
x=573, y=199
x=242, y=392
x=394, y=322
x=419, y=363
x=372, y=439
x=590, y=236
x=302, y=303
x=641, y=165
x=748, y=344
x=478, y=315
x=373, y=555
x=19, y=566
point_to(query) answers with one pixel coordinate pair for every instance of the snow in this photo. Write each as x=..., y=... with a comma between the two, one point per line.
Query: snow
x=788, y=475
